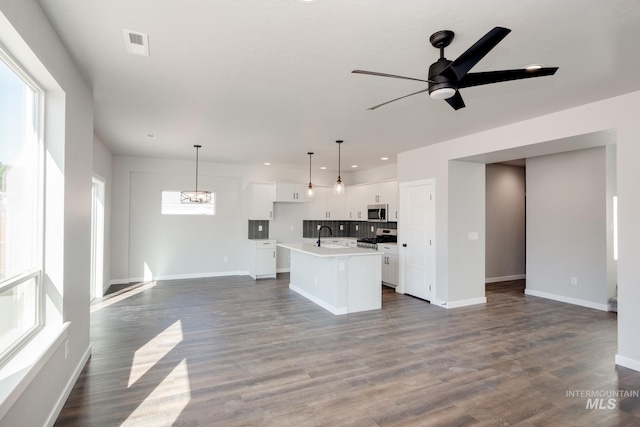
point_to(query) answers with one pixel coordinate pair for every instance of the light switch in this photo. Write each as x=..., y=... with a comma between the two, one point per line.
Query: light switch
x=473, y=235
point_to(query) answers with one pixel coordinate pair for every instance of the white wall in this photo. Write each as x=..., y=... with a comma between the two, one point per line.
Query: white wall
x=382, y=173
x=287, y=227
x=27, y=33
x=562, y=131
x=168, y=246
x=505, y=222
x=466, y=215
x=567, y=227
x=140, y=234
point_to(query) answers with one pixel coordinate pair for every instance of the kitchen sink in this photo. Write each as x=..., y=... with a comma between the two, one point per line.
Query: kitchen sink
x=332, y=246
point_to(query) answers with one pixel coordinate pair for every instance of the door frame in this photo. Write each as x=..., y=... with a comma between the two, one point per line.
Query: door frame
x=401, y=230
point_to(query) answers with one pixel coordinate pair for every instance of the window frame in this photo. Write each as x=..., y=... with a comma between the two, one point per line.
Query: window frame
x=37, y=273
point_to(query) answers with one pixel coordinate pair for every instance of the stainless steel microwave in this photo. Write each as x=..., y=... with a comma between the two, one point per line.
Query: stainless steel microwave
x=377, y=213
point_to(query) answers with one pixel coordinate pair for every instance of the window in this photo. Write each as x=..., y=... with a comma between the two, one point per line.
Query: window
x=171, y=205
x=20, y=207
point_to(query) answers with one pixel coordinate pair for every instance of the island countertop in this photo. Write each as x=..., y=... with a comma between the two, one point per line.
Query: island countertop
x=329, y=250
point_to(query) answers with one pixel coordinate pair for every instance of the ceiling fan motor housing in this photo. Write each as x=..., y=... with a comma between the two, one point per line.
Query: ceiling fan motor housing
x=444, y=80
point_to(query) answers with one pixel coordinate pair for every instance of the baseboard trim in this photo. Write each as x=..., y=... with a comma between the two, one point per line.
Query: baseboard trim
x=505, y=278
x=177, y=277
x=69, y=387
x=628, y=362
x=328, y=307
x=283, y=270
x=464, y=302
x=568, y=300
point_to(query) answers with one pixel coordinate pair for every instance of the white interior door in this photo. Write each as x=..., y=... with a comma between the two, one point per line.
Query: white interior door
x=416, y=231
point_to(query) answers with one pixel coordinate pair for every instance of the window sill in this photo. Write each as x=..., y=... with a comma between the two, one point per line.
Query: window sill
x=16, y=375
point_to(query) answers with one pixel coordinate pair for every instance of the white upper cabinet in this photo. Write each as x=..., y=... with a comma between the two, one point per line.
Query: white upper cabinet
x=291, y=192
x=360, y=196
x=260, y=198
x=389, y=195
x=328, y=206
x=356, y=203
x=385, y=192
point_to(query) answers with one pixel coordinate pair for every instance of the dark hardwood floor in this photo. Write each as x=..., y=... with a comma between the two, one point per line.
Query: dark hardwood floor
x=235, y=352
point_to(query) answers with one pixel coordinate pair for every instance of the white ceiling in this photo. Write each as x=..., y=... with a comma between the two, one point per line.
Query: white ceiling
x=269, y=80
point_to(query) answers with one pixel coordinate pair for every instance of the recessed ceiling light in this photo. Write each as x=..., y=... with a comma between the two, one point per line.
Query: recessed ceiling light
x=323, y=167
x=384, y=158
x=354, y=166
x=267, y=164
x=308, y=1
x=532, y=67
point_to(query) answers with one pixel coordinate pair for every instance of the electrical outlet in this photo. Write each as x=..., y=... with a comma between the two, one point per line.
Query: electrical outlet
x=473, y=235
x=226, y=259
x=341, y=227
x=574, y=281
x=341, y=266
x=372, y=229
x=259, y=228
x=315, y=280
x=356, y=227
x=318, y=227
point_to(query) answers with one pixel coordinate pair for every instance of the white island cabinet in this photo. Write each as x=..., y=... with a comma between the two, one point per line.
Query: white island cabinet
x=339, y=279
x=262, y=258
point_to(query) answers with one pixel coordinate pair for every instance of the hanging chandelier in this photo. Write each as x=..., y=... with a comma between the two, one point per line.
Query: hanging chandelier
x=196, y=196
x=310, y=186
x=338, y=187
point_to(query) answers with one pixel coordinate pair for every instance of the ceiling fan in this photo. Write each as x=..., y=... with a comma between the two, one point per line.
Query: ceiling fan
x=446, y=77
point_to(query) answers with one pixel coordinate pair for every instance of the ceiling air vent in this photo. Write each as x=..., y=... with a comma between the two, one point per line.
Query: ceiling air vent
x=137, y=43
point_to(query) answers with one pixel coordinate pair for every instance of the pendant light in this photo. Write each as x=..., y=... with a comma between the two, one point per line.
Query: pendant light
x=338, y=187
x=195, y=196
x=310, y=186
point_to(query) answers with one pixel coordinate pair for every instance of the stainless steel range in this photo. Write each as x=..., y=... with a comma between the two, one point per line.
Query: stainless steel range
x=383, y=235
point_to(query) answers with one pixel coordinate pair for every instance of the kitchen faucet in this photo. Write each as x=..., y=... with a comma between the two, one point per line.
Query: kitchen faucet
x=319, y=230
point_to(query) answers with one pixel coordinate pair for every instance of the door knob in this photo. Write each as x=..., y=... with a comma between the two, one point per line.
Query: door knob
x=404, y=245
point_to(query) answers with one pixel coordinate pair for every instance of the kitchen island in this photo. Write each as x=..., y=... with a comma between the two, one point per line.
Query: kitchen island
x=339, y=279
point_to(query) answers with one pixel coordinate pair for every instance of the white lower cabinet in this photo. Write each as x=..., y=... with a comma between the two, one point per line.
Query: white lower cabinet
x=262, y=258
x=390, y=271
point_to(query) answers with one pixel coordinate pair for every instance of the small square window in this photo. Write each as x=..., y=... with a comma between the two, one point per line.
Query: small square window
x=171, y=205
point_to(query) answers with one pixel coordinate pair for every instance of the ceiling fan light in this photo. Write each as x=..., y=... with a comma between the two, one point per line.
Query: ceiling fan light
x=443, y=93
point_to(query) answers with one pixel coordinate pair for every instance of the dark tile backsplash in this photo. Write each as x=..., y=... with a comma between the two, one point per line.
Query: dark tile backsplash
x=357, y=229
x=254, y=226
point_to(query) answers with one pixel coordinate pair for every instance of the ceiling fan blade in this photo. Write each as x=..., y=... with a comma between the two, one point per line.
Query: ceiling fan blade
x=475, y=53
x=388, y=102
x=456, y=101
x=373, y=73
x=477, y=79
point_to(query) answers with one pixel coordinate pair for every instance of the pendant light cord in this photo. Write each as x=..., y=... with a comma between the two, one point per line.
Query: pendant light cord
x=339, y=144
x=197, y=150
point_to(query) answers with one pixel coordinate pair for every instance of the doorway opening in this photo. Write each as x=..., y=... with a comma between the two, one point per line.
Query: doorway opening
x=505, y=224
x=97, y=239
